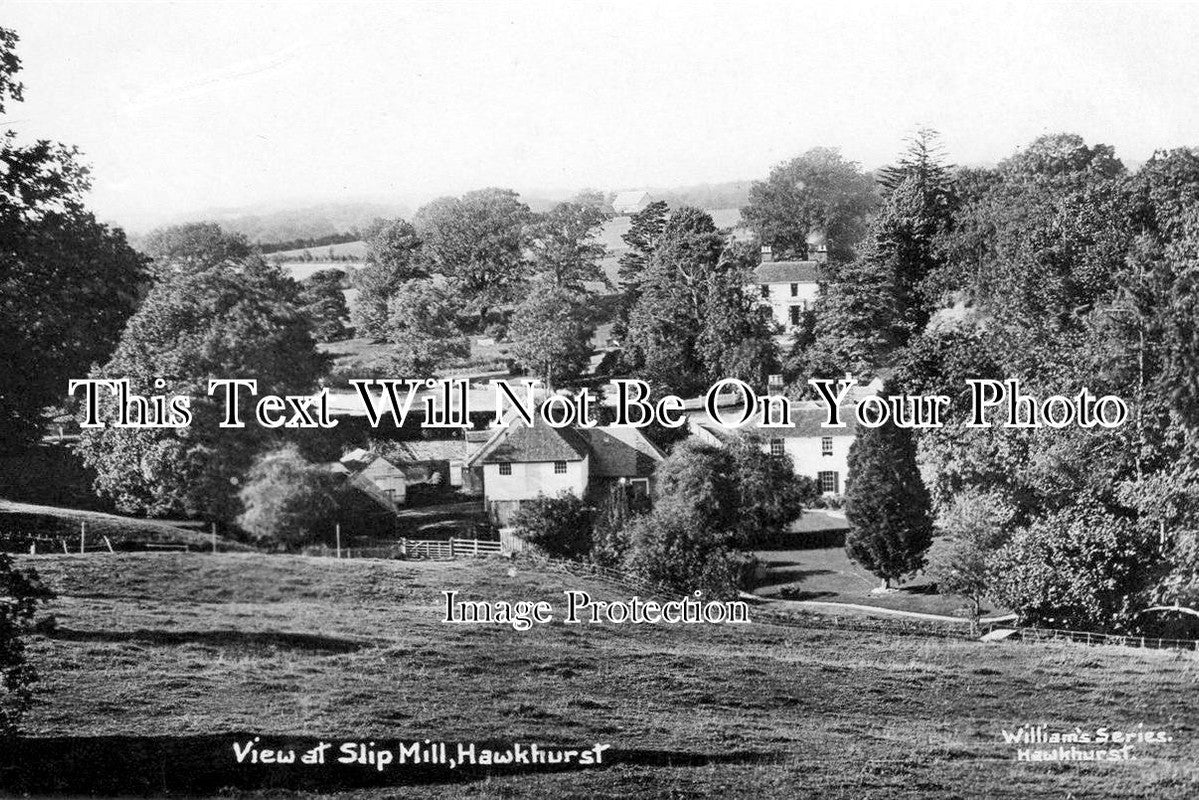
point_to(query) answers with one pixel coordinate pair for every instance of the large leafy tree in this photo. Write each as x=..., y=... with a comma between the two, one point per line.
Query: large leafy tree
x=394, y=256
x=886, y=504
x=422, y=328
x=233, y=320
x=710, y=503
x=551, y=332
x=478, y=242
x=565, y=245
x=194, y=246
x=693, y=322
x=819, y=191
x=67, y=283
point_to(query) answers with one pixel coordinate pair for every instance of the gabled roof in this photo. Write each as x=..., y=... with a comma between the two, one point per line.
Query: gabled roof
x=524, y=444
x=621, y=451
x=786, y=272
x=415, y=450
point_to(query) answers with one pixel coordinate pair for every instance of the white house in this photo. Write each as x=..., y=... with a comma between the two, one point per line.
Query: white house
x=521, y=462
x=630, y=202
x=788, y=287
x=818, y=452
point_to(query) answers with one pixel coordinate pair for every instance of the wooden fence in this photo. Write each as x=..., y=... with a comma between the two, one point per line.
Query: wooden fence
x=1085, y=637
x=432, y=549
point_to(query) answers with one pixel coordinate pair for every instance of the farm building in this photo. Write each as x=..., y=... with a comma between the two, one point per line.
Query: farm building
x=521, y=462
x=630, y=202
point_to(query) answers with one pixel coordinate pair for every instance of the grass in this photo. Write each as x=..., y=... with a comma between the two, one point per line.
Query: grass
x=180, y=649
x=54, y=523
x=826, y=574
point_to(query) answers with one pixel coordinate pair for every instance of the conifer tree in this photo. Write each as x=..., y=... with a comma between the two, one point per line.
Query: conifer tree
x=887, y=504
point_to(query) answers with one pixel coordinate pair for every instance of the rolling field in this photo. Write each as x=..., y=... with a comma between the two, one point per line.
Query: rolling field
x=183, y=653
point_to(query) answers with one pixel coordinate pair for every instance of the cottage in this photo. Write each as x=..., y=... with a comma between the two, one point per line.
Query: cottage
x=521, y=462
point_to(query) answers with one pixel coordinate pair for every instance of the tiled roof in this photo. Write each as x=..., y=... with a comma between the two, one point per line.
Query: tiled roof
x=621, y=451
x=786, y=272
x=525, y=444
x=431, y=450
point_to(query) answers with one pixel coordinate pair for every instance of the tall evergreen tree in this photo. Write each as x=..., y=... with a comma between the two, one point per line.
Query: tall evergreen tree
x=886, y=504
x=641, y=238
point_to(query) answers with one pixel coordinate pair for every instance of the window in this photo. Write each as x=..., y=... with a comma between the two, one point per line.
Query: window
x=776, y=447
x=826, y=445
x=639, y=487
x=766, y=291
x=505, y=469
x=829, y=482
x=559, y=467
x=795, y=312
x=795, y=290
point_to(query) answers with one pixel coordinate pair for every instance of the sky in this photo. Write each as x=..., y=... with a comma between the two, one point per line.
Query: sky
x=180, y=107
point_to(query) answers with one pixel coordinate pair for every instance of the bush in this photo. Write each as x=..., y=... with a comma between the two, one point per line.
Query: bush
x=1081, y=568
x=22, y=591
x=561, y=526
x=288, y=501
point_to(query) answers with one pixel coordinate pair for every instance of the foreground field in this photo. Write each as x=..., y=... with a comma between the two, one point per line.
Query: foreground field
x=180, y=650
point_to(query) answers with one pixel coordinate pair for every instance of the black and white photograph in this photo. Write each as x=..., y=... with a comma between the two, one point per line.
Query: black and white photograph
x=657, y=399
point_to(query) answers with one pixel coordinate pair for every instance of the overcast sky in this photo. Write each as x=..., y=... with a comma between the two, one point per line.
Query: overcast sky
x=181, y=107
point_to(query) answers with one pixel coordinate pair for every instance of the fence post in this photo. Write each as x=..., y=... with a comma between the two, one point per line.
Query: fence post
x=451, y=547
x=82, y=533
x=338, y=527
x=64, y=546
x=109, y=545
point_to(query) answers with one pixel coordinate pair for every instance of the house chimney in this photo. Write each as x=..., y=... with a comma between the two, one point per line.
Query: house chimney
x=767, y=254
x=817, y=247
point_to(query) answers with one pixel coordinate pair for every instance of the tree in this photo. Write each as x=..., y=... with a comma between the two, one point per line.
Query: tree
x=477, y=242
x=194, y=246
x=641, y=239
x=975, y=527
x=422, y=327
x=324, y=302
x=288, y=502
x=1081, y=569
x=818, y=191
x=67, y=283
x=561, y=525
x=736, y=337
x=565, y=245
x=693, y=322
x=394, y=256
x=551, y=332
x=228, y=321
x=886, y=504
x=770, y=496
x=709, y=504
x=22, y=591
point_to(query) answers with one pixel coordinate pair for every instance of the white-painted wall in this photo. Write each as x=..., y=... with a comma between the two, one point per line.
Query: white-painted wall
x=531, y=479
x=805, y=452
x=781, y=299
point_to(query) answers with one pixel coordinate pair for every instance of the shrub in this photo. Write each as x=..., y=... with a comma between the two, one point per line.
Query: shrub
x=561, y=526
x=1080, y=568
x=288, y=501
x=20, y=594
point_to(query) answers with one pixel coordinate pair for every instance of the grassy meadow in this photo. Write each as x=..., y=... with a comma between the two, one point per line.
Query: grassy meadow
x=182, y=650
